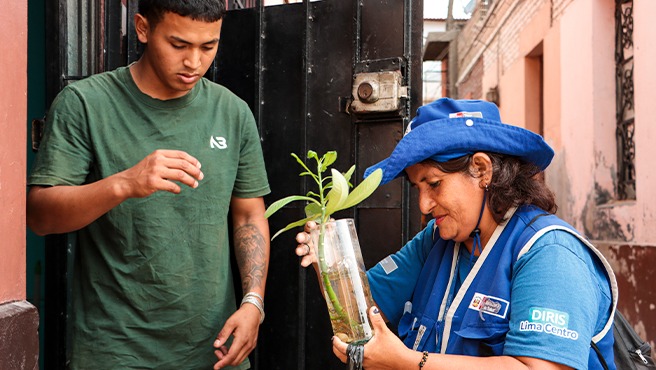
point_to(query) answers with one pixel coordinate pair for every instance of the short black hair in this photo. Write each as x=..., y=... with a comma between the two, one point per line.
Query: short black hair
x=200, y=10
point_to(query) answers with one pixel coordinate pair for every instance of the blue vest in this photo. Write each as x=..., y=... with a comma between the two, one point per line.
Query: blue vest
x=481, y=332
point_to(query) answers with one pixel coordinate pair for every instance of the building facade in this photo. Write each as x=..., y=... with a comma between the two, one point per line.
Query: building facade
x=579, y=73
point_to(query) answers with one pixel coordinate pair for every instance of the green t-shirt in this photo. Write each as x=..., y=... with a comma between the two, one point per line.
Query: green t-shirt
x=152, y=280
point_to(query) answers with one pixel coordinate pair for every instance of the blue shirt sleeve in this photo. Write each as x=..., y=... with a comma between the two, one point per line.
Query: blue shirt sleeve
x=560, y=300
x=392, y=280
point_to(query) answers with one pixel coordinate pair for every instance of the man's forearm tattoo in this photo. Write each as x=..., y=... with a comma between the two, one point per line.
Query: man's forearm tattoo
x=249, y=250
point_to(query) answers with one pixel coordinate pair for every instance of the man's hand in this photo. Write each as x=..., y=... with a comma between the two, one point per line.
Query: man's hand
x=159, y=171
x=243, y=325
x=251, y=241
x=66, y=208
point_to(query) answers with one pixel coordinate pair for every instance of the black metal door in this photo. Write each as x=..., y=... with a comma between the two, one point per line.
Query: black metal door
x=83, y=38
x=295, y=65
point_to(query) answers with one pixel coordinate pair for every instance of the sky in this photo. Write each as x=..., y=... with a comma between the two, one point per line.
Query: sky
x=439, y=8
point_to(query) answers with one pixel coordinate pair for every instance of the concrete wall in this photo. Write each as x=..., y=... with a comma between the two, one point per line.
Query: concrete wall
x=571, y=43
x=18, y=319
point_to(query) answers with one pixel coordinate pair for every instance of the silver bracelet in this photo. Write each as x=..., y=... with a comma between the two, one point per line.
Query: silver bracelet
x=253, y=294
x=252, y=300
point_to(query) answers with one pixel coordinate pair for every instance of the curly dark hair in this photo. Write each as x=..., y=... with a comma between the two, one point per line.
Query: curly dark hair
x=514, y=183
x=201, y=10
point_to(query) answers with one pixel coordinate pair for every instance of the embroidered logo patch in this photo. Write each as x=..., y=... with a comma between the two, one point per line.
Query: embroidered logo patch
x=487, y=304
x=548, y=321
x=466, y=114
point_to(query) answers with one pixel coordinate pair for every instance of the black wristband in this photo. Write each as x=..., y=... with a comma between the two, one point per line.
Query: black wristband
x=354, y=356
x=423, y=360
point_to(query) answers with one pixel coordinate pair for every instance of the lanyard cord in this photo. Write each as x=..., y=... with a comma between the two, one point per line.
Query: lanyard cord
x=476, y=234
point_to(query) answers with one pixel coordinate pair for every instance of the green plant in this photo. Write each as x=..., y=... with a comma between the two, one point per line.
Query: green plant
x=333, y=195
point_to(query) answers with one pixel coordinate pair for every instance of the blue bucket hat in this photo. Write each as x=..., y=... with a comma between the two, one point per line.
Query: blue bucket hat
x=446, y=129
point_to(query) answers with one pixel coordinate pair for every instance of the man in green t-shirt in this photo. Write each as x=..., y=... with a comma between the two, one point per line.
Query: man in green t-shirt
x=120, y=165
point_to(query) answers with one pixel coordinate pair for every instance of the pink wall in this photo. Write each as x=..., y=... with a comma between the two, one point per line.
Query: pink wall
x=588, y=117
x=511, y=105
x=551, y=84
x=13, y=111
x=644, y=34
x=517, y=55
x=623, y=230
x=575, y=156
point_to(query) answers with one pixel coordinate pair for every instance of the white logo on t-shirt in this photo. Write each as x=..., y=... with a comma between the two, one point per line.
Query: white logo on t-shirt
x=218, y=142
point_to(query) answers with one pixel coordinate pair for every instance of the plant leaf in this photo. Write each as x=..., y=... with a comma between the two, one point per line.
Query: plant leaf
x=293, y=225
x=275, y=206
x=313, y=154
x=298, y=159
x=337, y=194
x=328, y=159
x=363, y=190
x=307, y=170
x=328, y=185
x=349, y=173
x=313, y=209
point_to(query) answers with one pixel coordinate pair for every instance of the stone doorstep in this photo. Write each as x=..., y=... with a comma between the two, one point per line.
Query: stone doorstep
x=19, y=336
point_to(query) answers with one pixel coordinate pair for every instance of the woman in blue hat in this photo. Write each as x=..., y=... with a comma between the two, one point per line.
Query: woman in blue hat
x=495, y=273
